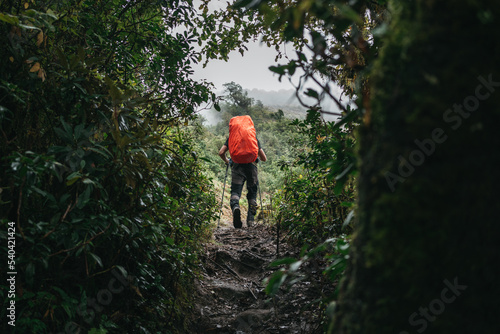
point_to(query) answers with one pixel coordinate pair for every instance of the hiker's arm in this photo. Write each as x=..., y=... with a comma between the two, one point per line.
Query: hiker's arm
x=222, y=153
x=262, y=155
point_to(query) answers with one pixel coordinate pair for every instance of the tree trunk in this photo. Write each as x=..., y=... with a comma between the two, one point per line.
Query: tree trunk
x=426, y=254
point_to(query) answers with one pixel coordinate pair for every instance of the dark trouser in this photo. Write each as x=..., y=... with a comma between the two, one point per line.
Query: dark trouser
x=241, y=173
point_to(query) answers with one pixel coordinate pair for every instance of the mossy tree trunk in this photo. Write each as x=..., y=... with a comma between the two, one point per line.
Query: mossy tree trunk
x=426, y=254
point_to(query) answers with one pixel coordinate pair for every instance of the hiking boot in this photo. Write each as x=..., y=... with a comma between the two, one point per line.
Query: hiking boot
x=250, y=217
x=236, y=216
x=252, y=208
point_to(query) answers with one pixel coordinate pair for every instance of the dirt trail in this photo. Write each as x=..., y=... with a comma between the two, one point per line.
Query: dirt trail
x=230, y=296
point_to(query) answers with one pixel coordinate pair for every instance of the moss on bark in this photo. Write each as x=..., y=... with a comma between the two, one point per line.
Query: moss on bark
x=428, y=218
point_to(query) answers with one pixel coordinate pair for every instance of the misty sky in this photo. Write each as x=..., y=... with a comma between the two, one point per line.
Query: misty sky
x=249, y=71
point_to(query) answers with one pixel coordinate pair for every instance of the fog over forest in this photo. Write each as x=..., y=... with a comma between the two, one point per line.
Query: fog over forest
x=284, y=99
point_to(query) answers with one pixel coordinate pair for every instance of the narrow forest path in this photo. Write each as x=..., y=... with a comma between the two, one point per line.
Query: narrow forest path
x=230, y=295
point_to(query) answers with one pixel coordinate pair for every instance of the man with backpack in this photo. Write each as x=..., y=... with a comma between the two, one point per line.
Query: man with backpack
x=245, y=151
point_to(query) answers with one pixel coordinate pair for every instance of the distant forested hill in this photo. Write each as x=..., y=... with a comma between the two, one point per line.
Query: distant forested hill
x=286, y=100
x=283, y=99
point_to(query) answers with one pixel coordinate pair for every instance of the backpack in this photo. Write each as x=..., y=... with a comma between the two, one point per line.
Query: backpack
x=242, y=143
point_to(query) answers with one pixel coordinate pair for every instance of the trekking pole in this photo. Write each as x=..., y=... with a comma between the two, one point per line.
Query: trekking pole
x=277, y=227
x=278, y=239
x=260, y=195
x=222, y=200
x=261, y=207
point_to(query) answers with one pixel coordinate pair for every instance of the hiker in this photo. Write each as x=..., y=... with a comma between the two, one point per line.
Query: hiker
x=245, y=151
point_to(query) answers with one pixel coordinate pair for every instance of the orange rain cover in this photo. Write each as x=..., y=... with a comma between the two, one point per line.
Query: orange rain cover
x=243, y=145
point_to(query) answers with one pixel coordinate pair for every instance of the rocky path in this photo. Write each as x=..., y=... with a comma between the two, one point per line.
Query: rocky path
x=230, y=295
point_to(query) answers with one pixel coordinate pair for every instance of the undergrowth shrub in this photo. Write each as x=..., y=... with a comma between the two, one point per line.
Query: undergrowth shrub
x=317, y=198
x=314, y=208
x=106, y=195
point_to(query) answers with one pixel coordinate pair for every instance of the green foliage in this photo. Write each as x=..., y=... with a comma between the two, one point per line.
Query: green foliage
x=316, y=203
x=97, y=177
x=97, y=331
x=237, y=99
x=318, y=194
x=333, y=252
